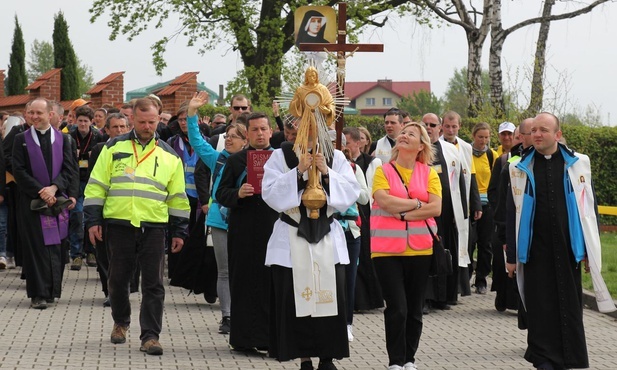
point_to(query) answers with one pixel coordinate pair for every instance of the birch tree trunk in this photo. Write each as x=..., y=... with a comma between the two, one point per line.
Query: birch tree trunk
x=537, y=83
x=498, y=37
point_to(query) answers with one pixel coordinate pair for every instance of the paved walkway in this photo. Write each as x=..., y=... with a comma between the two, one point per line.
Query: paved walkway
x=74, y=334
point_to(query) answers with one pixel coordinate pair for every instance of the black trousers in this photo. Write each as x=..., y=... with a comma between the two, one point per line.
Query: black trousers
x=403, y=283
x=128, y=245
x=484, y=233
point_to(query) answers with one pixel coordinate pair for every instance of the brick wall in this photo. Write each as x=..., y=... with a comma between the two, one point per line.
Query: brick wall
x=110, y=90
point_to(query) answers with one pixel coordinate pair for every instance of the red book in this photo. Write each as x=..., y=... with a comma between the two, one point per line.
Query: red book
x=255, y=161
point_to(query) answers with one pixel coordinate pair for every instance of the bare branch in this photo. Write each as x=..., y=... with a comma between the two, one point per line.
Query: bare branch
x=557, y=17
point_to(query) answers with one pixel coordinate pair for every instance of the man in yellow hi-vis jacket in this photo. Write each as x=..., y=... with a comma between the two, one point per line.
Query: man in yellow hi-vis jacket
x=137, y=189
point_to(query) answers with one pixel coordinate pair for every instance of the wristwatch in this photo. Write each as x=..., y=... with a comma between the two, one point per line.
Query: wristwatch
x=403, y=214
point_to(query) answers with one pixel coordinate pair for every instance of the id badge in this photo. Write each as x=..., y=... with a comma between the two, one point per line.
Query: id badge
x=83, y=163
x=130, y=172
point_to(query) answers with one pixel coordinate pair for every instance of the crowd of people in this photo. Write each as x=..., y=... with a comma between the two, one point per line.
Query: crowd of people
x=322, y=234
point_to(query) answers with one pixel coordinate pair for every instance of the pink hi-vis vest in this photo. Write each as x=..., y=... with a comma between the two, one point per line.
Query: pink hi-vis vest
x=388, y=233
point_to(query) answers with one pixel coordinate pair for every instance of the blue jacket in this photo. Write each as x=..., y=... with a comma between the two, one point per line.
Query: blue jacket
x=527, y=213
x=216, y=162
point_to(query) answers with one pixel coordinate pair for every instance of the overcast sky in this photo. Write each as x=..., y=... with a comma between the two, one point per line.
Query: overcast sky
x=581, y=55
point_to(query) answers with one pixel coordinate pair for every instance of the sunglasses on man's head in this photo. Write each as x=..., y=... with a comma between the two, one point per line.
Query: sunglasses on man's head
x=238, y=108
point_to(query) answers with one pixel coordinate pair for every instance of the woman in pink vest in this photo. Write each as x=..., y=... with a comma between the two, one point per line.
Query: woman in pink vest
x=407, y=196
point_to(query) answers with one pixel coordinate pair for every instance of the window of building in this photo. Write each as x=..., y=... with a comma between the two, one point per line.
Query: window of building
x=370, y=102
x=387, y=102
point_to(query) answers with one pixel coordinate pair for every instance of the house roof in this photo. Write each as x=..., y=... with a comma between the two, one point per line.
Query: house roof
x=177, y=83
x=102, y=84
x=12, y=100
x=402, y=88
x=146, y=90
x=43, y=78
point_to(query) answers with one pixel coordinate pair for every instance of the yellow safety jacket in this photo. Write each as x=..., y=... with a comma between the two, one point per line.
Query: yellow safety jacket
x=138, y=185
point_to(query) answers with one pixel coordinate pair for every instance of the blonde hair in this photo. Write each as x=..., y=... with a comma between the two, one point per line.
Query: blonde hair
x=427, y=154
x=369, y=139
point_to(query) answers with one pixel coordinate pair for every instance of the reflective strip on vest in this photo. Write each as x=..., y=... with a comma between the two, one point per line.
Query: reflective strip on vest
x=191, y=187
x=97, y=182
x=138, y=180
x=179, y=213
x=137, y=193
x=94, y=202
x=177, y=195
x=189, y=169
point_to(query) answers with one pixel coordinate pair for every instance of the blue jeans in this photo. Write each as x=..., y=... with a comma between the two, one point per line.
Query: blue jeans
x=76, y=224
x=351, y=272
x=4, y=218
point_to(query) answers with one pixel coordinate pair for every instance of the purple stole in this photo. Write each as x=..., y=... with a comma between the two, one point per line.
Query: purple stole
x=54, y=228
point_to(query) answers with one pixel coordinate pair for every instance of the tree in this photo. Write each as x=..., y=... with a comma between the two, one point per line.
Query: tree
x=17, y=80
x=261, y=31
x=41, y=59
x=498, y=38
x=64, y=57
x=420, y=103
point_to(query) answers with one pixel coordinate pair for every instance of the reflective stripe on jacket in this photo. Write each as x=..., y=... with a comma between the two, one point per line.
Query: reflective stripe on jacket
x=149, y=192
x=390, y=233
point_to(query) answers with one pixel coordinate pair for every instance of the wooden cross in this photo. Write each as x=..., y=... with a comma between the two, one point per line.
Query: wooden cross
x=341, y=48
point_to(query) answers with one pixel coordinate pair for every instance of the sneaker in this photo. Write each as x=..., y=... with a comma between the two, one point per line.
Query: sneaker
x=350, y=333
x=410, y=366
x=306, y=365
x=2, y=263
x=395, y=367
x=118, y=334
x=152, y=347
x=481, y=289
x=38, y=303
x=10, y=263
x=50, y=300
x=91, y=260
x=225, y=326
x=76, y=265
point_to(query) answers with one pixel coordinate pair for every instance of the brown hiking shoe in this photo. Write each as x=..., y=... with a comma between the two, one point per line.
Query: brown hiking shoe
x=152, y=347
x=118, y=334
x=91, y=260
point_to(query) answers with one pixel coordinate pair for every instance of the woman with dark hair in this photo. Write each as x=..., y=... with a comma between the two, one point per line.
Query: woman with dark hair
x=312, y=28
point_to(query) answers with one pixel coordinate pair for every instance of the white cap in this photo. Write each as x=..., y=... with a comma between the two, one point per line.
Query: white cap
x=332, y=134
x=506, y=126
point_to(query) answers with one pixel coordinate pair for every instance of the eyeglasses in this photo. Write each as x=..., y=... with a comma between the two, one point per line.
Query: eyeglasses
x=234, y=137
x=181, y=120
x=238, y=108
x=433, y=125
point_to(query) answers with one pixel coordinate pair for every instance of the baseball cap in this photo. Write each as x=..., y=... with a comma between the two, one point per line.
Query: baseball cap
x=78, y=103
x=506, y=126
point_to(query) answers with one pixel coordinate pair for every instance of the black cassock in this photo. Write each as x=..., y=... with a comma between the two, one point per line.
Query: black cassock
x=250, y=226
x=368, y=290
x=43, y=264
x=553, y=292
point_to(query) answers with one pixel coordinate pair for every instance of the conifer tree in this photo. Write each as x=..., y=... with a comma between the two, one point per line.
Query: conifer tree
x=17, y=79
x=64, y=57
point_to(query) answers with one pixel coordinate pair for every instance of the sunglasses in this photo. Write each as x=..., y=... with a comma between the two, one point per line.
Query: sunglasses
x=238, y=108
x=432, y=125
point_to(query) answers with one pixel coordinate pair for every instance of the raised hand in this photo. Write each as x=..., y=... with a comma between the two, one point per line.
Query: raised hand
x=199, y=99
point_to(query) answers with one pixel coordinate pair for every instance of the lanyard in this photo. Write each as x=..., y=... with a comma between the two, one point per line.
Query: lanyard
x=79, y=149
x=147, y=154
